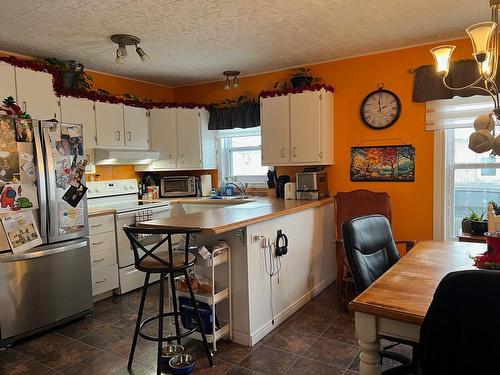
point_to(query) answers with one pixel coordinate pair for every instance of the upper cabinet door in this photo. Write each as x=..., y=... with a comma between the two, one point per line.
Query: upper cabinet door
x=275, y=128
x=7, y=81
x=136, y=127
x=35, y=94
x=109, y=125
x=81, y=111
x=163, y=137
x=305, y=127
x=188, y=138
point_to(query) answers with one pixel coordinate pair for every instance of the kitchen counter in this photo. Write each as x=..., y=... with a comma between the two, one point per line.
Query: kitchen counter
x=236, y=214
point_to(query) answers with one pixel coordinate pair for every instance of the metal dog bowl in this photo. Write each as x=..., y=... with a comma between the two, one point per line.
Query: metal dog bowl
x=170, y=351
x=182, y=364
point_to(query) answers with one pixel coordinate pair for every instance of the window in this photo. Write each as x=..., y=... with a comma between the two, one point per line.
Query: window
x=240, y=156
x=471, y=180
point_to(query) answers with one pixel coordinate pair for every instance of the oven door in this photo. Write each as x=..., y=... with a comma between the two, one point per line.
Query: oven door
x=124, y=250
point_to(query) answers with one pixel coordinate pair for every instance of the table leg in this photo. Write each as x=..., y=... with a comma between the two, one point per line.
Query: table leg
x=366, y=332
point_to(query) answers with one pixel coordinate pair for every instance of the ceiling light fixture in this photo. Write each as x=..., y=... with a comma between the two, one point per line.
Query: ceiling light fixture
x=124, y=40
x=234, y=74
x=484, y=39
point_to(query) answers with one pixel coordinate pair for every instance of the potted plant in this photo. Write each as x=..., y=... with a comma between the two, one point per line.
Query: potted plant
x=73, y=74
x=477, y=223
x=302, y=77
x=496, y=207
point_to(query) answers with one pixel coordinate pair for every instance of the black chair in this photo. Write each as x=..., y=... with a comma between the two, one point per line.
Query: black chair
x=166, y=262
x=370, y=250
x=460, y=334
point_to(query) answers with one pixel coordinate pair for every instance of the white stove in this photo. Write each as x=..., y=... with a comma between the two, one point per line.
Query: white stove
x=121, y=195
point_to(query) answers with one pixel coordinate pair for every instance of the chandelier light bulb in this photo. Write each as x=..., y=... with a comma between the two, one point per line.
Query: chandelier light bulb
x=227, y=86
x=121, y=51
x=480, y=35
x=442, y=57
x=236, y=83
x=120, y=59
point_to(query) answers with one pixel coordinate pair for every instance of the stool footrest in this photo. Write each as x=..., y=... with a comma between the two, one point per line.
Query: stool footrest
x=163, y=339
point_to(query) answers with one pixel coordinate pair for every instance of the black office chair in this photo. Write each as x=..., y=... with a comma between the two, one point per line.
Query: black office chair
x=460, y=334
x=370, y=250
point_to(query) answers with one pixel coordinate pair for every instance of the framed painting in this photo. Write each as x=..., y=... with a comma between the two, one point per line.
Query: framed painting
x=383, y=163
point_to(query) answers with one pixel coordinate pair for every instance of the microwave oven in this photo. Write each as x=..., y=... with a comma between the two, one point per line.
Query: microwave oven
x=177, y=186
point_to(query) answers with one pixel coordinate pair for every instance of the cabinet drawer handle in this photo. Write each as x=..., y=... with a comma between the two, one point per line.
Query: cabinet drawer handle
x=118, y=135
x=100, y=282
x=294, y=153
x=97, y=243
x=129, y=136
x=96, y=226
x=25, y=107
x=98, y=260
x=282, y=152
x=182, y=158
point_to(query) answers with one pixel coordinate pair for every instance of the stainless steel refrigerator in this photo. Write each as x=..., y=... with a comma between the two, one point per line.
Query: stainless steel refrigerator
x=51, y=283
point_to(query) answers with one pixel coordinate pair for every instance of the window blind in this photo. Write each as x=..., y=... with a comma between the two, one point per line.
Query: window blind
x=456, y=113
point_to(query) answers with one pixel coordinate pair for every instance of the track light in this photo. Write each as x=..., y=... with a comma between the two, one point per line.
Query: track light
x=124, y=40
x=143, y=55
x=234, y=74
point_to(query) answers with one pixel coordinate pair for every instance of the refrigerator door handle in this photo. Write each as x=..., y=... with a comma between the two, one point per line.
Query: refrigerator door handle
x=43, y=253
x=41, y=184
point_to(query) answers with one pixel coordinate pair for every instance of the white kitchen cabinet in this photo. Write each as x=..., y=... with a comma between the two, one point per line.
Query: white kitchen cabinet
x=297, y=129
x=109, y=125
x=81, y=111
x=35, y=94
x=305, y=127
x=164, y=137
x=183, y=140
x=275, y=130
x=7, y=81
x=188, y=138
x=136, y=129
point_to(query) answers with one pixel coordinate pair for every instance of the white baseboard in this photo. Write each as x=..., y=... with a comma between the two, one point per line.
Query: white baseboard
x=282, y=316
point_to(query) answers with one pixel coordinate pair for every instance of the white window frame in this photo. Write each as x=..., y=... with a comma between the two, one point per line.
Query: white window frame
x=444, y=168
x=224, y=150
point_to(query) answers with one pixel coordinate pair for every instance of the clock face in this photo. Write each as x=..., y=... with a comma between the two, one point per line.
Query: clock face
x=380, y=109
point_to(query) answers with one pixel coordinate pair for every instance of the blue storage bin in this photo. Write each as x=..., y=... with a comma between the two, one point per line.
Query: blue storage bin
x=188, y=319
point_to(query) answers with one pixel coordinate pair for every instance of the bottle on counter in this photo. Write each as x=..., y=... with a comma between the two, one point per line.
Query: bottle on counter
x=228, y=188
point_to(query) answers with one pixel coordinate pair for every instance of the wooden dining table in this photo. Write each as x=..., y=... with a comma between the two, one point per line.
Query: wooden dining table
x=394, y=306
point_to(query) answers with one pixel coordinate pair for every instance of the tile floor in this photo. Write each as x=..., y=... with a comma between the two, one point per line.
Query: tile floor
x=318, y=339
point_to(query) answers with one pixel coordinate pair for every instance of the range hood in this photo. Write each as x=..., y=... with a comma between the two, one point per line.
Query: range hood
x=118, y=157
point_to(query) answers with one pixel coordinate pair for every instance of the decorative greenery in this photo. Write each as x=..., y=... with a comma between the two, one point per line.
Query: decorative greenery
x=10, y=107
x=474, y=216
x=83, y=81
x=496, y=207
x=234, y=103
x=99, y=95
x=305, y=73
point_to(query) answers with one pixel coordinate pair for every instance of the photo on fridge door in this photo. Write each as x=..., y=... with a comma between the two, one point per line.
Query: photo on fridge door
x=7, y=134
x=71, y=219
x=71, y=140
x=24, y=130
x=22, y=231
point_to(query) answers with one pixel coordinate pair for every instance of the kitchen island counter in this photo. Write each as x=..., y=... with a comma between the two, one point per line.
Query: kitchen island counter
x=236, y=214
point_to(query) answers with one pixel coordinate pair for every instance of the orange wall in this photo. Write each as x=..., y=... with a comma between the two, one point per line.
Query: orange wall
x=353, y=79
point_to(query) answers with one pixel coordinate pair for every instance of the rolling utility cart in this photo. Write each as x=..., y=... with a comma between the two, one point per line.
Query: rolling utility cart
x=218, y=270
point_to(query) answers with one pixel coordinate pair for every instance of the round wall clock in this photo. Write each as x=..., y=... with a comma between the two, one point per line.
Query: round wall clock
x=380, y=109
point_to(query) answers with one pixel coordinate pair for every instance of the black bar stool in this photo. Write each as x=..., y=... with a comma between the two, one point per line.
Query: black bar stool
x=167, y=263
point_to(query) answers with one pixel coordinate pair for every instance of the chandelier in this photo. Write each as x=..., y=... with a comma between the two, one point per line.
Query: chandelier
x=484, y=39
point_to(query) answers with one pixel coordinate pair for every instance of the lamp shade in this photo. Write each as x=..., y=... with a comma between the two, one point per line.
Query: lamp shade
x=480, y=35
x=442, y=57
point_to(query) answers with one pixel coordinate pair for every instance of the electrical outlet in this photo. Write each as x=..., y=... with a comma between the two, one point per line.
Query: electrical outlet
x=255, y=238
x=263, y=242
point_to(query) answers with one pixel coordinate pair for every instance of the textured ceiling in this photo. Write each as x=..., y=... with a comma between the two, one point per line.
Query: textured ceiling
x=193, y=41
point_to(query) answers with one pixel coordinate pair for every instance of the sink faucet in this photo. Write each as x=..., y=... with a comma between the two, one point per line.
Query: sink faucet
x=242, y=189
